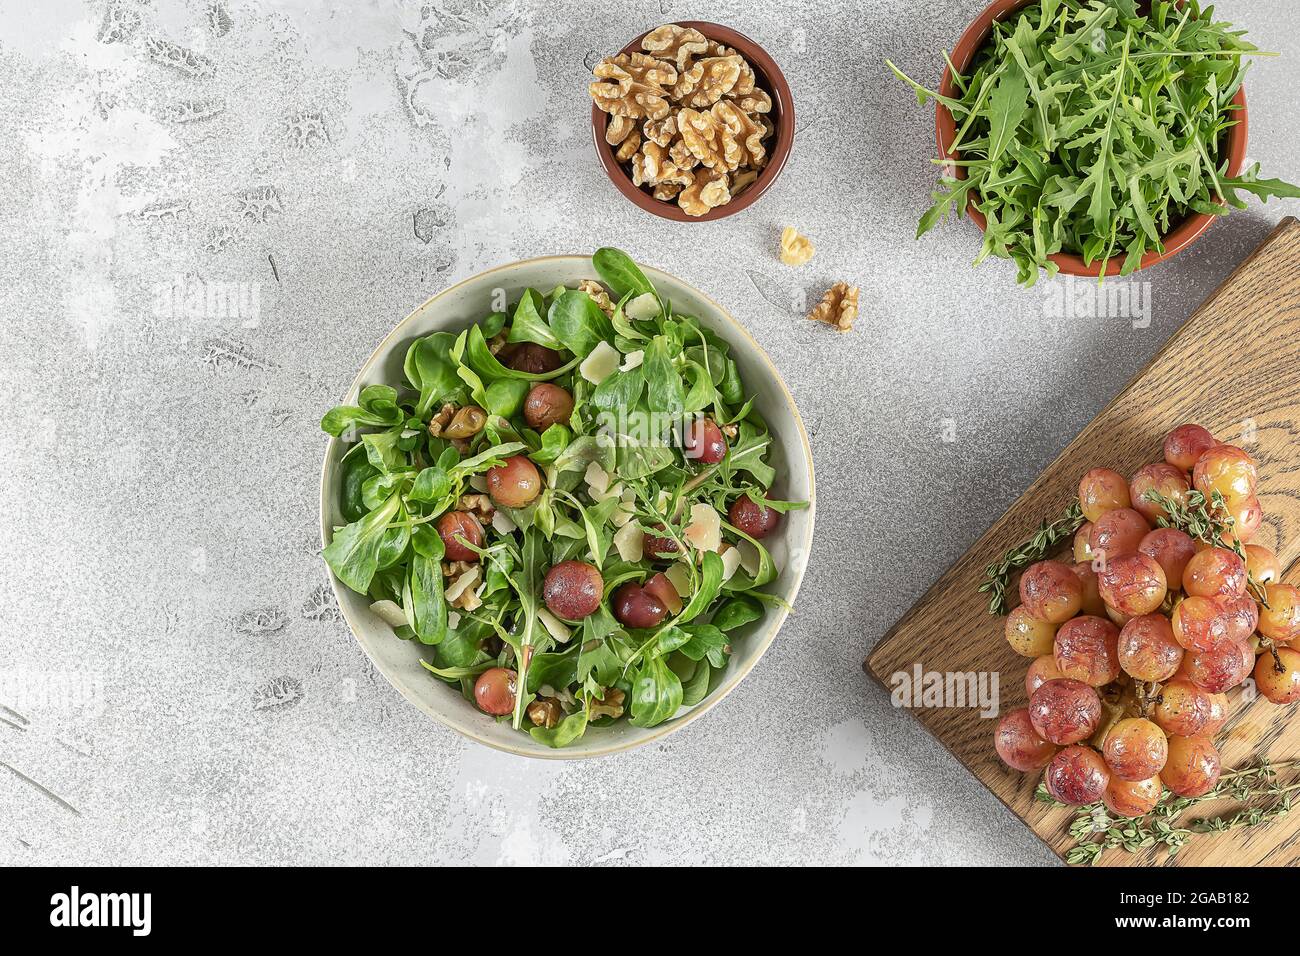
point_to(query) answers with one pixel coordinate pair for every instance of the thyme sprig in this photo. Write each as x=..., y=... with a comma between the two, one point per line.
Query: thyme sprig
x=1095, y=831
x=1210, y=521
x=1038, y=547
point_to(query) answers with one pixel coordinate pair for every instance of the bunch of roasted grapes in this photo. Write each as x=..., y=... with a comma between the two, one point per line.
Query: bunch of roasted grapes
x=1135, y=643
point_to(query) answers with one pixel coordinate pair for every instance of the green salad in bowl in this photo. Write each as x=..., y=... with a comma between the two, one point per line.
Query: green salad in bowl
x=567, y=505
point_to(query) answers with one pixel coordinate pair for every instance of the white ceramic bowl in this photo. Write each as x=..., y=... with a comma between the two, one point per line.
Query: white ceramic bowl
x=456, y=308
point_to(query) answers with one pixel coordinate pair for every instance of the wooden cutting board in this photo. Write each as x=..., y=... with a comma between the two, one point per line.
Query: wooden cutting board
x=1235, y=368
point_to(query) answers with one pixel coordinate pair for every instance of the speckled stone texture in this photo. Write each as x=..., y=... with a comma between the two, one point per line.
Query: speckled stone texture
x=177, y=686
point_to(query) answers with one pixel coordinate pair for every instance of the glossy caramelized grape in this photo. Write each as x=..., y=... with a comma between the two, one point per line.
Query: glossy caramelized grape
x=1183, y=709
x=1116, y=618
x=1092, y=602
x=1169, y=481
x=1086, y=649
x=1040, y=672
x=572, y=590
x=530, y=357
x=1279, y=686
x=656, y=545
x=1246, y=517
x=1147, y=649
x=1118, y=532
x=1225, y=469
x=1242, y=617
x=1102, y=490
x=1133, y=584
x=1221, y=668
x=460, y=524
x=494, y=691
x=1027, y=635
x=514, y=483
x=1077, y=775
x=1215, y=573
x=636, y=607
x=1172, y=549
x=704, y=442
x=1185, y=444
x=1219, y=714
x=1082, y=549
x=1200, y=623
x=755, y=520
x=1065, y=711
x=1192, y=768
x=547, y=405
x=1135, y=749
x=1019, y=745
x=1132, y=798
x=661, y=589
x=1051, y=591
x=1262, y=564
x=1280, y=621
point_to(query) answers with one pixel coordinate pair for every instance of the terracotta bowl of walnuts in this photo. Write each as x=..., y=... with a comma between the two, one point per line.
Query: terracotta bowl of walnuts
x=744, y=183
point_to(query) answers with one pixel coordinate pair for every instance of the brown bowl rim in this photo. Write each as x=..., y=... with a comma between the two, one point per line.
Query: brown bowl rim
x=782, y=107
x=1187, y=232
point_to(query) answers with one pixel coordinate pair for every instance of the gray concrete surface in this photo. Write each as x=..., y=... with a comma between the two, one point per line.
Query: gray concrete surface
x=177, y=686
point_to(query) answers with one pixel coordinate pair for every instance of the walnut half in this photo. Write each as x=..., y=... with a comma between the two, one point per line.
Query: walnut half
x=838, y=307
x=611, y=706
x=795, y=249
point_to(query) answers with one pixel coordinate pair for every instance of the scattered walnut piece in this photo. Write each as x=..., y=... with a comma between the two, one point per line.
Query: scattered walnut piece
x=611, y=706
x=838, y=307
x=685, y=102
x=795, y=249
x=597, y=292
x=545, y=712
x=480, y=505
x=458, y=425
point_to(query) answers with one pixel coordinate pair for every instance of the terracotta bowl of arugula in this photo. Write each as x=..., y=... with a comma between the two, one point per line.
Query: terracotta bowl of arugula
x=1088, y=141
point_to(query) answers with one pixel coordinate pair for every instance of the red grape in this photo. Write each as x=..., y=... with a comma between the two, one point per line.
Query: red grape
x=1225, y=469
x=703, y=441
x=530, y=357
x=1051, y=591
x=1019, y=745
x=464, y=524
x=1172, y=549
x=1118, y=532
x=1147, y=649
x=1132, y=798
x=494, y=691
x=514, y=483
x=1040, y=672
x=572, y=590
x=637, y=607
x=1102, y=490
x=1218, y=715
x=1184, y=709
x=655, y=545
x=755, y=520
x=1065, y=711
x=1200, y=623
x=1082, y=549
x=1086, y=650
x=1169, y=481
x=1077, y=775
x=1242, y=616
x=1280, y=621
x=1262, y=564
x=1279, y=686
x=1221, y=668
x=1192, y=768
x=662, y=589
x=1133, y=584
x=1135, y=749
x=1027, y=635
x=1185, y=444
x=547, y=405
x=1247, y=515
x=1215, y=573
x=1092, y=602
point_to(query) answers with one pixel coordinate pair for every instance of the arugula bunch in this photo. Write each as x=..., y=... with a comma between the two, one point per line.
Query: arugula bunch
x=397, y=479
x=1092, y=129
